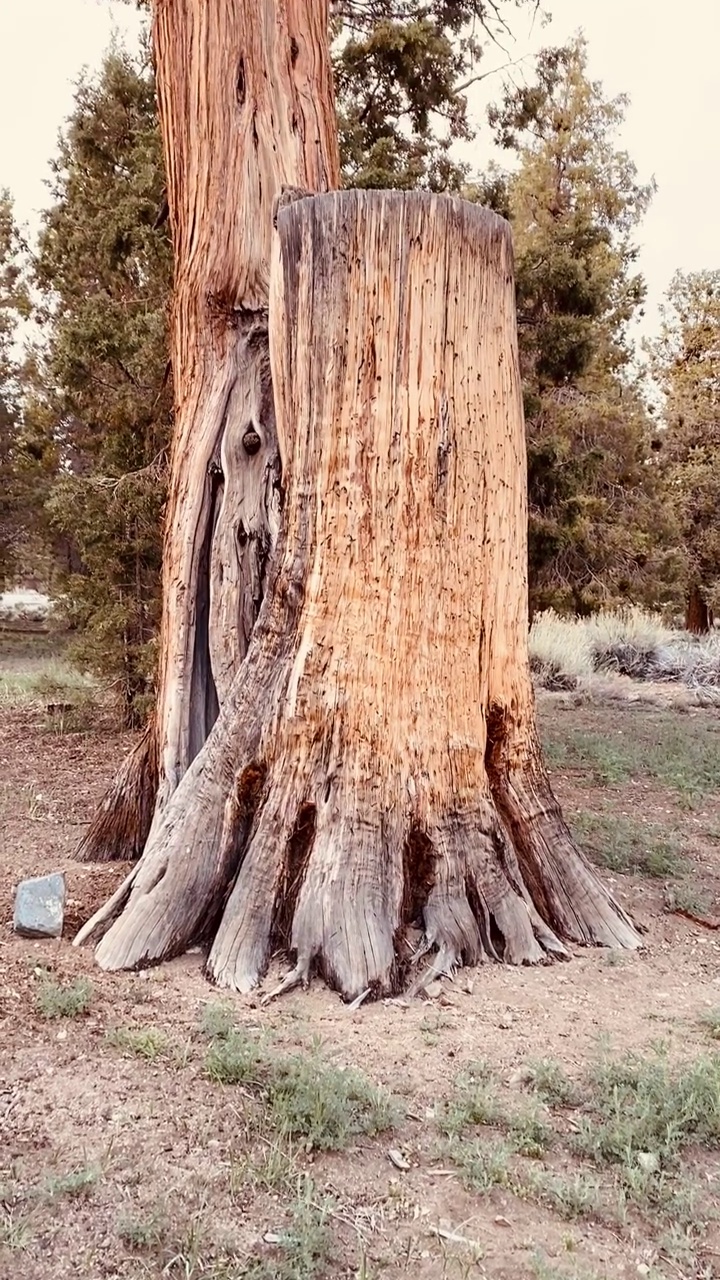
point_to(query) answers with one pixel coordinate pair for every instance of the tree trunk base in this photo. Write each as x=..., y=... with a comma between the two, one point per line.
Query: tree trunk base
x=297, y=855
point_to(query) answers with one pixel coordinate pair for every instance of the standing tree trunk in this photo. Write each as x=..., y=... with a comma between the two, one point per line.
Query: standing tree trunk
x=246, y=108
x=375, y=763
x=698, y=617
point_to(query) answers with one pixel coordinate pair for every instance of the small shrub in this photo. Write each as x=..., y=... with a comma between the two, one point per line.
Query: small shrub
x=234, y=1059
x=681, y=1243
x=142, y=1233
x=15, y=1230
x=548, y=675
x=475, y=1102
x=472, y=1103
x=324, y=1104
x=76, y=1184
x=483, y=1165
x=270, y=1167
x=304, y=1250
x=688, y=898
x=304, y=1096
x=573, y=1197
x=642, y=1113
x=530, y=1133
x=548, y=1080
x=217, y=1021
x=56, y=1000
x=692, y=661
x=142, y=1042
x=627, y=641
x=711, y=1022
x=560, y=654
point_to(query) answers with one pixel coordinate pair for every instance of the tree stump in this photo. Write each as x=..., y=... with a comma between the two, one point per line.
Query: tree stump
x=375, y=764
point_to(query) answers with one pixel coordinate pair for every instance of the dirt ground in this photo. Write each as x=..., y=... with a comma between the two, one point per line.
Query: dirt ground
x=94, y=1135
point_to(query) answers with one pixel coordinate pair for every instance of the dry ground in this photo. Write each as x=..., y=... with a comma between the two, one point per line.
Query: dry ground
x=149, y=1127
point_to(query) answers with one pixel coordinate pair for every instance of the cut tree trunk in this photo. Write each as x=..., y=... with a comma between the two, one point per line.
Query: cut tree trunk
x=375, y=764
x=246, y=107
x=698, y=617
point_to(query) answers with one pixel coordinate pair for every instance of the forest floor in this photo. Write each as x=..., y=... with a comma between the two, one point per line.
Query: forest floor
x=540, y=1123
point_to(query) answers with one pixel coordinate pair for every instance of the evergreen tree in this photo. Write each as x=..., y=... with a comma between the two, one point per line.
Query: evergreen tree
x=103, y=391
x=575, y=201
x=685, y=361
x=16, y=508
x=100, y=404
x=402, y=69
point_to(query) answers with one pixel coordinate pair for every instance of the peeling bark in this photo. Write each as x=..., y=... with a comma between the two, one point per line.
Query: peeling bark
x=375, y=763
x=246, y=108
x=122, y=823
x=248, y=512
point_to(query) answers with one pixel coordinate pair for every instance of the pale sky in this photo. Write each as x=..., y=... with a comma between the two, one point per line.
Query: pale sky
x=664, y=54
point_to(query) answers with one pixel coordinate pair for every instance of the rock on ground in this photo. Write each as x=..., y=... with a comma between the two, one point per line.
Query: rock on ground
x=40, y=907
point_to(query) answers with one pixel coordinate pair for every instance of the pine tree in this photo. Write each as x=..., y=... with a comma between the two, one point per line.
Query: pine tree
x=102, y=390
x=17, y=510
x=686, y=363
x=597, y=534
x=402, y=69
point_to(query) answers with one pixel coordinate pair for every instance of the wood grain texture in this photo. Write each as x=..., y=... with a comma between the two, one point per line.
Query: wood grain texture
x=246, y=109
x=385, y=701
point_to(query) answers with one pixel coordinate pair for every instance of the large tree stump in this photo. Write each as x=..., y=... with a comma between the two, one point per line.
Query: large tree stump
x=376, y=763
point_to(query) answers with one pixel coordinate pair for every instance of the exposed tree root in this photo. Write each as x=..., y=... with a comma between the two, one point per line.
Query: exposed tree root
x=121, y=825
x=240, y=951
x=302, y=863
x=299, y=976
x=563, y=890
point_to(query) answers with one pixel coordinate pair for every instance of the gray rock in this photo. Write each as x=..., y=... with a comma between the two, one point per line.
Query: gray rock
x=40, y=907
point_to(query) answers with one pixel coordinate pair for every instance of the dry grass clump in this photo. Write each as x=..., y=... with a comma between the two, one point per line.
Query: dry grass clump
x=567, y=653
x=560, y=651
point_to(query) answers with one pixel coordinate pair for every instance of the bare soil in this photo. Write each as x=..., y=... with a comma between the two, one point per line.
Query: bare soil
x=164, y=1141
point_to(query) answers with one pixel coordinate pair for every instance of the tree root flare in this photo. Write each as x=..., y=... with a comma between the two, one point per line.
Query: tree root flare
x=329, y=883
x=299, y=976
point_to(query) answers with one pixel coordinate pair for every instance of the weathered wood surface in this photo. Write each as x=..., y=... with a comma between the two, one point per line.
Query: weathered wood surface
x=246, y=107
x=375, y=764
